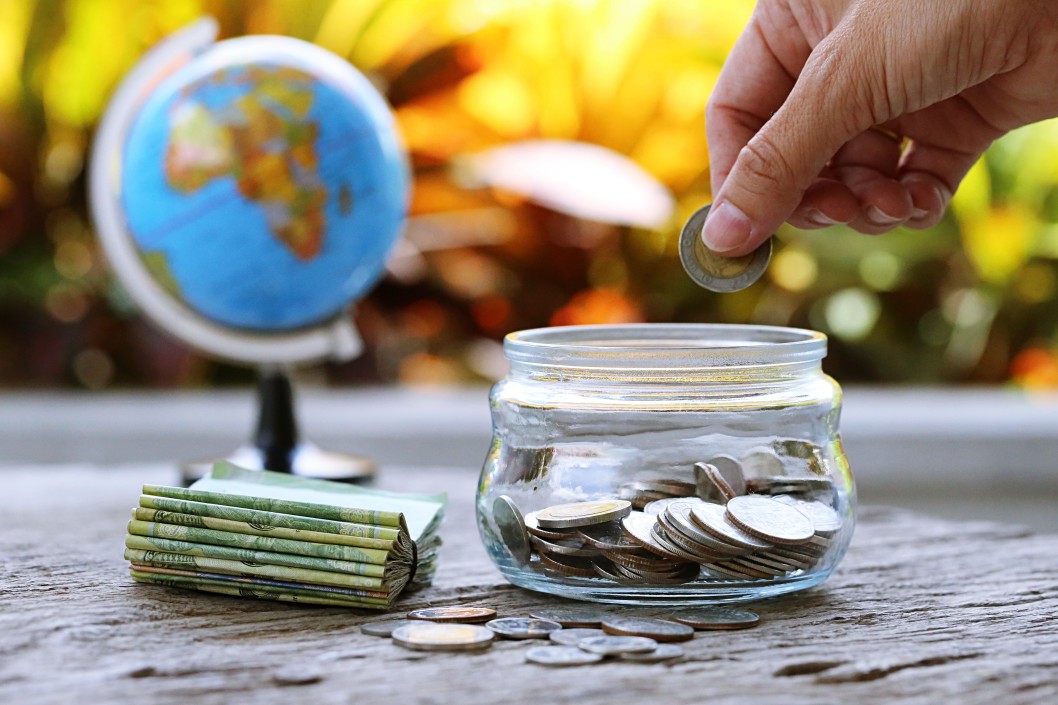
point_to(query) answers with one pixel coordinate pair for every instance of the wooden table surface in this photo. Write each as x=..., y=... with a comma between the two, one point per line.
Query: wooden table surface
x=920, y=611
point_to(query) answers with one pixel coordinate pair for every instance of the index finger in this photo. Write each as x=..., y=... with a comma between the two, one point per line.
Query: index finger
x=757, y=77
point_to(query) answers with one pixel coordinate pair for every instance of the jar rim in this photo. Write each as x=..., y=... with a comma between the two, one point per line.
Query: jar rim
x=665, y=346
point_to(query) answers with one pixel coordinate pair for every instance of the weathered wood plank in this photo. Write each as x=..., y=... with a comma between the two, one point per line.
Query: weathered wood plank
x=921, y=611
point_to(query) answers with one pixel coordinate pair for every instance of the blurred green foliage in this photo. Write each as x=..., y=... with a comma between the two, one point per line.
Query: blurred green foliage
x=973, y=300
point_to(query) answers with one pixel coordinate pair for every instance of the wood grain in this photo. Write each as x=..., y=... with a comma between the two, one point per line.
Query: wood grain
x=921, y=611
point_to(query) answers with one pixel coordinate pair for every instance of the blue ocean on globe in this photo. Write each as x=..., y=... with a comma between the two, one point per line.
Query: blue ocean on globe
x=260, y=196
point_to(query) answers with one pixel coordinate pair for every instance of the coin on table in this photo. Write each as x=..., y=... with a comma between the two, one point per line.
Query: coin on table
x=664, y=652
x=660, y=630
x=709, y=618
x=715, y=272
x=713, y=518
x=560, y=656
x=572, y=637
x=511, y=524
x=577, y=514
x=616, y=645
x=522, y=627
x=385, y=627
x=570, y=616
x=770, y=520
x=454, y=614
x=442, y=637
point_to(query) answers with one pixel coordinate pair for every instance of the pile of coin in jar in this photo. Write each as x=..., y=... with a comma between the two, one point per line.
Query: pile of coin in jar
x=577, y=636
x=665, y=531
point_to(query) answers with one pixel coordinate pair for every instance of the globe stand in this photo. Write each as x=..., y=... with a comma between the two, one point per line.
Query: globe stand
x=276, y=445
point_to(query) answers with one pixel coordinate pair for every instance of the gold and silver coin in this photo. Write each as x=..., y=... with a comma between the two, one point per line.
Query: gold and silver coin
x=715, y=272
x=511, y=525
x=465, y=615
x=523, y=627
x=770, y=520
x=577, y=514
x=426, y=636
x=559, y=656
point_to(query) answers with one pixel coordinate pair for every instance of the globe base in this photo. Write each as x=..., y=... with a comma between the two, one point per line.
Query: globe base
x=307, y=460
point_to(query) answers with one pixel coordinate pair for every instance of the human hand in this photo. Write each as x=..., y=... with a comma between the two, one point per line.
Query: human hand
x=801, y=123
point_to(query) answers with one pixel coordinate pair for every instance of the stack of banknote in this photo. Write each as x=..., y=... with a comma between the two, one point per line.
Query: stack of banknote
x=274, y=536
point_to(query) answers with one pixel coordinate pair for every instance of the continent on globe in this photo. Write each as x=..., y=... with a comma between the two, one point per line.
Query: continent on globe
x=264, y=141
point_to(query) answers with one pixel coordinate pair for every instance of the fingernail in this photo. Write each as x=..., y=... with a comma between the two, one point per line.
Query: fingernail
x=817, y=217
x=726, y=228
x=918, y=213
x=876, y=216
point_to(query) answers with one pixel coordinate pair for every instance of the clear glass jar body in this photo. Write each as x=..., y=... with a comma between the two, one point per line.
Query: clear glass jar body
x=594, y=413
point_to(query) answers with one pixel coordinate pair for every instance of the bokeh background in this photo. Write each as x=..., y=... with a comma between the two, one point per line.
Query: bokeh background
x=972, y=301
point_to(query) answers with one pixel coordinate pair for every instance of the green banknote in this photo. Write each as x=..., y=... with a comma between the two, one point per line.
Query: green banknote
x=422, y=512
x=197, y=534
x=256, y=529
x=249, y=555
x=181, y=561
x=256, y=591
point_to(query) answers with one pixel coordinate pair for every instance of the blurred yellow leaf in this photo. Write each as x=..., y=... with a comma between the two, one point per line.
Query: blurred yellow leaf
x=998, y=241
x=974, y=196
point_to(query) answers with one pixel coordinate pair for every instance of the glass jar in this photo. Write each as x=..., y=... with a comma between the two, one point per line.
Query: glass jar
x=666, y=464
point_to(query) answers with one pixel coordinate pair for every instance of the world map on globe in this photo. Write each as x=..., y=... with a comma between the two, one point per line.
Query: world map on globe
x=261, y=196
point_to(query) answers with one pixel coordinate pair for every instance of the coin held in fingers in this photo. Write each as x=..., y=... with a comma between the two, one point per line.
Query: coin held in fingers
x=712, y=271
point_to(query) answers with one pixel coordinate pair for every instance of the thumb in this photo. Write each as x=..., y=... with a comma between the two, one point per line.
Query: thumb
x=828, y=106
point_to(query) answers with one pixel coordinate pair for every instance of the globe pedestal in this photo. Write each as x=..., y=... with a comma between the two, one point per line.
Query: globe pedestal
x=276, y=445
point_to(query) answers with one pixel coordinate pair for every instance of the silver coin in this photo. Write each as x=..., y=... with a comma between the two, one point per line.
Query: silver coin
x=658, y=506
x=709, y=475
x=559, y=656
x=570, y=616
x=385, y=627
x=564, y=547
x=426, y=636
x=616, y=645
x=713, y=518
x=715, y=272
x=577, y=514
x=770, y=520
x=762, y=461
x=511, y=525
x=716, y=618
x=660, y=630
x=731, y=470
x=638, y=526
x=663, y=537
x=572, y=637
x=608, y=537
x=664, y=652
x=680, y=573
x=824, y=519
x=522, y=627
x=535, y=529
x=679, y=517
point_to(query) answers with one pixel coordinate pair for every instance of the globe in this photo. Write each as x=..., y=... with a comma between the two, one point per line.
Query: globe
x=247, y=193
x=249, y=189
